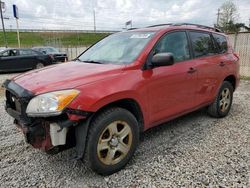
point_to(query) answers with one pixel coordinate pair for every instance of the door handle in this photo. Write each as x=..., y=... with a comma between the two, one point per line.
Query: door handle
x=222, y=64
x=192, y=70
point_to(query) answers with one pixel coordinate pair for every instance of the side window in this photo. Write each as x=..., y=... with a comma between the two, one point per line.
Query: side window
x=33, y=52
x=175, y=43
x=202, y=44
x=221, y=42
x=5, y=54
x=25, y=52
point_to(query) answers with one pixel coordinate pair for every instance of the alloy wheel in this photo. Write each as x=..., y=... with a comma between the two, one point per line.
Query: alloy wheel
x=39, y=65
x=225, y=100
x=114, y=143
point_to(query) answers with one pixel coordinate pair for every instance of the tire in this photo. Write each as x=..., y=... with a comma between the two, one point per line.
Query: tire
x=118, y=131
x=223, y=101
x=39, y=65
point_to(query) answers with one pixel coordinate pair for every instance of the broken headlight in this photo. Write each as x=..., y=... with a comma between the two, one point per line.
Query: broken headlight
x=50, y=104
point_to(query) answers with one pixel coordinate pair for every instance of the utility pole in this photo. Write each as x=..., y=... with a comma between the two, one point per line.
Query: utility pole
x=218, y=17
x=1, y=12
x=94, y=21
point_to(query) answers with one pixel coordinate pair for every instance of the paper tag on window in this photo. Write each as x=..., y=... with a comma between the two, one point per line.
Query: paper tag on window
x=140, y=36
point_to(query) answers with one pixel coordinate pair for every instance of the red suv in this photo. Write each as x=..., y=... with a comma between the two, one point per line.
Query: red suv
x=121, y=86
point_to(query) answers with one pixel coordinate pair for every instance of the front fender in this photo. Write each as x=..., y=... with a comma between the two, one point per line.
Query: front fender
x=96, y=101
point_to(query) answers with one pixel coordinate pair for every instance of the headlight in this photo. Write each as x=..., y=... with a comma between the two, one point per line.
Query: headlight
x=50, y=104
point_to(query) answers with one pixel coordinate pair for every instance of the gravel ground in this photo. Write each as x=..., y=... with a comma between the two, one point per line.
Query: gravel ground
x=192, y=151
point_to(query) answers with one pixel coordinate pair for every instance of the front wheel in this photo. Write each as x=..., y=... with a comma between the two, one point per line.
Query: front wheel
x=112, y=140
x=39, y=65
x=223, y=101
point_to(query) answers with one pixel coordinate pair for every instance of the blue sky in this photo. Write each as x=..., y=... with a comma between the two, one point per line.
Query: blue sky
x=112, y=14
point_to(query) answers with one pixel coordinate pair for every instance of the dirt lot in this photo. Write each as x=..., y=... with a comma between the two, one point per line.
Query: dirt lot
x=191, y=151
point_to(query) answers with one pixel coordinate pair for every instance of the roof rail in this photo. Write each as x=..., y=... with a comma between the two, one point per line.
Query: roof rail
x=133, y=28
x=189, y=24
x=160, y=25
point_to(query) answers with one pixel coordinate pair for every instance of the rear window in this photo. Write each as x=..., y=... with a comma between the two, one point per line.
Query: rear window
x=202, y=44
x=221, y=43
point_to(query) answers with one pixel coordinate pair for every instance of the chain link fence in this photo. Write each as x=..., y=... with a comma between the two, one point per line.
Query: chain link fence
x=72, y=51
x=241, y=45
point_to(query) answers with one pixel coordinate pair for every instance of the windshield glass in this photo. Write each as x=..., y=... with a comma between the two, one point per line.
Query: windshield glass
x=51, y=50
x=120, y=48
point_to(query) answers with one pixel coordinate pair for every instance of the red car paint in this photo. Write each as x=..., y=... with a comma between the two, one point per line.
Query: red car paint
x=162, y=93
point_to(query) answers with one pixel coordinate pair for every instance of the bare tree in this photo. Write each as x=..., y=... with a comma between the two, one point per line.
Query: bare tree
x=228, y=15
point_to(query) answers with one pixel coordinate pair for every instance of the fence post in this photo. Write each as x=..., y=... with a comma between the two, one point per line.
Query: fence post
x=235, y=40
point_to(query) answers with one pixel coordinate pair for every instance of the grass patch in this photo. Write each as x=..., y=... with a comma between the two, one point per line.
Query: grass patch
x=245, y=77
x=29, y=39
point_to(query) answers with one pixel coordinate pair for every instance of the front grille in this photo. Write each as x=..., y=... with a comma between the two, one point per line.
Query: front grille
x=17, y=99
x=14, y=103
x=18, y=106
x=11, y=100
x=60, y=55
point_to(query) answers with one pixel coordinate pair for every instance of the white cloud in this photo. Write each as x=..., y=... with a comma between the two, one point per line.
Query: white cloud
x=112, y=14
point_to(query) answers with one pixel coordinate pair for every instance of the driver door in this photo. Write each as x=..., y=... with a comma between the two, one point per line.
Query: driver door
x=171, y=89
x=8, y=60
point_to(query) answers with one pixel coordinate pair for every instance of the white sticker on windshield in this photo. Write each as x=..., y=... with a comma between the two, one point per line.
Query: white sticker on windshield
x=140, y=36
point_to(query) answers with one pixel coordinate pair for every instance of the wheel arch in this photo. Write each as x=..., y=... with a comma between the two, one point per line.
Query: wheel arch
x=129, y=104
x=232, y=80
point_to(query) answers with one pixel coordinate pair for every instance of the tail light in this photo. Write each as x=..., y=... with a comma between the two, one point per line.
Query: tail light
x=51, y=56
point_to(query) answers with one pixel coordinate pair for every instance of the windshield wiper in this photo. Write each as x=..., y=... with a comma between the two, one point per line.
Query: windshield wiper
x=91, y=61
x=77, y=59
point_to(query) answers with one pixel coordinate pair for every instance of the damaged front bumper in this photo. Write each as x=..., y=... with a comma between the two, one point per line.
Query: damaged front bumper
x=50, y=133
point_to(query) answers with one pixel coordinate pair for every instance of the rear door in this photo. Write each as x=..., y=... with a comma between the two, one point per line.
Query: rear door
x=27, y=58
x=224, y=58
x=208, y=66
x=171, y=89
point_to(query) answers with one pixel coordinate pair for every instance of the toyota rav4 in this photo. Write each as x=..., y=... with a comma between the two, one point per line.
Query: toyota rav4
x=121, y=86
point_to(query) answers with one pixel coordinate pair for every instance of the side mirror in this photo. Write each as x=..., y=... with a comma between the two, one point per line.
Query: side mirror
x=44, y=51
x=162, y=59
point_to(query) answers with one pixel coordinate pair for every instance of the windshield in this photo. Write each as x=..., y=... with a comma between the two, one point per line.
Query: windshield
x=120, y=48
x=50, y=50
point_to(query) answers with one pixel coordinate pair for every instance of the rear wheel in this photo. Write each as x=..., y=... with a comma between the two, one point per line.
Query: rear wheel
x=223, y=101
x=39, y=65
x=112, y=140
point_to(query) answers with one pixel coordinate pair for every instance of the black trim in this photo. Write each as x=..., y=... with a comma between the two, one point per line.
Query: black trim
x=188, y=24
x=81, y=132
x=17, y=99
x=17, y=90
x=190, y=45
x=77, y=112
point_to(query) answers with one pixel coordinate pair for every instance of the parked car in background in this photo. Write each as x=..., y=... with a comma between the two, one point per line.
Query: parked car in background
x=13, y=59
x=55, y=54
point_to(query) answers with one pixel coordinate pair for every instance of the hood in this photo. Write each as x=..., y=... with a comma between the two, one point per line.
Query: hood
x=65, y=76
